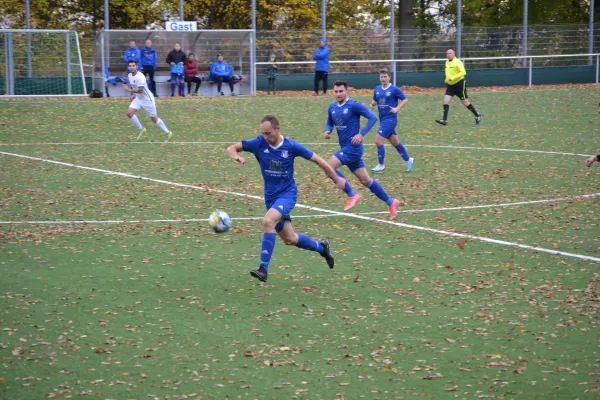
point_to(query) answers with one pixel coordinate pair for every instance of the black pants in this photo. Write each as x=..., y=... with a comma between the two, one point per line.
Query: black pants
x=189, y=81
x=221, y=79
x=149, y=70
x=320, y=76
x=271, y=86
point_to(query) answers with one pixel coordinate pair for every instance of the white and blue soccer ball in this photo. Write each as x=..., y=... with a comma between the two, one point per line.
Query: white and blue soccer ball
x=219, y=221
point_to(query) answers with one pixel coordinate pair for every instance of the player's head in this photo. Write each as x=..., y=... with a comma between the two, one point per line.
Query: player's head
x=450, y=54
x=384, y=76
x=340, y=90
x=148, y=43
x=131, y=44
x=220, y=57
x=177, y=47
x=269, y=127
x=322, y=42
x=132, y=65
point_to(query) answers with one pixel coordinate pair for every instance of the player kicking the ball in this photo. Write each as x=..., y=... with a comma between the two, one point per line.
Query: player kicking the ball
x=141, y=97
x=345, y=115
x=385, y=98
x=275, y=155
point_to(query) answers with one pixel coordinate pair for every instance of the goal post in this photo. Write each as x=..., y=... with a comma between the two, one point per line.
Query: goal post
x=41, y=63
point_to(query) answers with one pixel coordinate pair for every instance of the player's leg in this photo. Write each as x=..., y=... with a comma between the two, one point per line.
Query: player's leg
x=302, y=241
x=270, y=221
x=173, y=79
x=189, y=85
x=230, y=83
x=198, y=83
x=181, y=85
x=219, y=85
x=317, y=79
x=379, y=142
x=447, y=98
x=464, y=99
x=336, y=161
x=325, y=76
x=131, y=114
x=375, y=188
x=150, y=108
x=269, y=85
x=395, y=141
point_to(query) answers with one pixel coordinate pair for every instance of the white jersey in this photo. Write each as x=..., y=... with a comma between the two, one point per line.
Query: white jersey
x=139, y=81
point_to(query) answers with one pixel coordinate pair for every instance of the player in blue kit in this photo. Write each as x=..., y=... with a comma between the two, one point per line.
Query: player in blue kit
x=275, y=155
x=345, y=115
x=385, y=98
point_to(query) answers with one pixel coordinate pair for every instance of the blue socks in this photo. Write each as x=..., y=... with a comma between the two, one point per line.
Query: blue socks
x=268, y=245
x=305, y=242
x=378, y=191
x=173, y=89
x=347, y=188
x=381, y=154
x=402, y=151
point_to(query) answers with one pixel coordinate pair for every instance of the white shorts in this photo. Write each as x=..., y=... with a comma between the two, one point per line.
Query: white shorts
x=148, y=105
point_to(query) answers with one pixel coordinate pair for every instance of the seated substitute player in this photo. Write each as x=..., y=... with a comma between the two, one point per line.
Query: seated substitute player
x=141, y=97
x=275, y=155
x=386, y=97
x=344, y=114
x=456, y=85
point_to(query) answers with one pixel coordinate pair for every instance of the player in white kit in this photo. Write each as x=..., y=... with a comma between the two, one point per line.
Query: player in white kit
x=141, y=97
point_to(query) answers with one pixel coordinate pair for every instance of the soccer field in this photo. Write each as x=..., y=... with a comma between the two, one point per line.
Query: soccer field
x=485, y=286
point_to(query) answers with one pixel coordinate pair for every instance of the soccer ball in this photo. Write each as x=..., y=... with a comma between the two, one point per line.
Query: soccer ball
x=219, y=221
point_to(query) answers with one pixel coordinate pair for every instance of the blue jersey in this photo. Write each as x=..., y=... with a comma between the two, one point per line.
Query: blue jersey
x=346, y=120
x=387, y=99
x=277, y=165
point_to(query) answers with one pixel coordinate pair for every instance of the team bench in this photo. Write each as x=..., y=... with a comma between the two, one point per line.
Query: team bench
x=162, y=77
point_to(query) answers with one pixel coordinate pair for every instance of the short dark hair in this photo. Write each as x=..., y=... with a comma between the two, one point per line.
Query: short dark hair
x=272, y=119
x=131, y=61
x=340, y=82
x=385, y=71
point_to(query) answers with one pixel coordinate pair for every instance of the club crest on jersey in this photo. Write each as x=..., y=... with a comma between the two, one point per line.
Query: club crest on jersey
x=284, y=154
x=345, y=111
x=388, y=93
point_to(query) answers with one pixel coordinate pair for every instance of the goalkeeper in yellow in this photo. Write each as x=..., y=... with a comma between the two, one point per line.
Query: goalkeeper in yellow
x=456, y=85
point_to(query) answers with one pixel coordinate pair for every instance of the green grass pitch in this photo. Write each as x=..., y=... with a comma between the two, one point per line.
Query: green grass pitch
x=148, y=309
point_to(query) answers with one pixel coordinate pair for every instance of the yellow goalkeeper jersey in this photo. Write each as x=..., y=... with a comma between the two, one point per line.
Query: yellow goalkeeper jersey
x=455, y=71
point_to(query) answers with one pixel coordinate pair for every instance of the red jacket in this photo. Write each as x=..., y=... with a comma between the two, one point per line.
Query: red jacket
x=190, y=68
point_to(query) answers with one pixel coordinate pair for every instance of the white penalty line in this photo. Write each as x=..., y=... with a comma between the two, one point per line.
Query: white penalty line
x=191, y=220
x=318, y=209
x=431, y=146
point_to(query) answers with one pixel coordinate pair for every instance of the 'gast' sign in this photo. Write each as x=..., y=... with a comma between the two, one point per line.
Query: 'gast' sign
x=182, y=26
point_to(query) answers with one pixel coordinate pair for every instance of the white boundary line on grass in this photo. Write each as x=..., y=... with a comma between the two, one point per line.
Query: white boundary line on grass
x=188, y=220
x=356, y=216
x=307, y=143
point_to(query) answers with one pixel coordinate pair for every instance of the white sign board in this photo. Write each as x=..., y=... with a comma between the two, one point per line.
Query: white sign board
x=182, y=26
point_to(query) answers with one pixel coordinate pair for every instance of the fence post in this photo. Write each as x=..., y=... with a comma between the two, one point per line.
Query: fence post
x=68, y=51
x=393, y=39
x=525, y=28
x=28, y=26
x=597, y=67
x=253, y=51
x=324, y=19
x=530, y=70
x=458, y=28
x=10, y=66
x=591, y=32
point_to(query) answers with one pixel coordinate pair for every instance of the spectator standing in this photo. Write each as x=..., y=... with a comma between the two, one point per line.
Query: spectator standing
x=149, y=65
x=190, y=71
x=132, y=53
x=271, y=75
x=321, y=56
x=222, y=72
x=174, y=58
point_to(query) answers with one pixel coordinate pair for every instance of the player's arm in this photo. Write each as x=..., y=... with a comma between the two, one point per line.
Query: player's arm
x=233, y=152
x=371, y=121
x=403, y=101
x=373, y=101
x=592, y=160
x=328, y=125
x=330, y=172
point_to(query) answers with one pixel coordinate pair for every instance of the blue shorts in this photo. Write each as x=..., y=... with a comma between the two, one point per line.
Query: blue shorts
x=387, y=129
x=176, y=78
x=351, y=157
x=284, y=205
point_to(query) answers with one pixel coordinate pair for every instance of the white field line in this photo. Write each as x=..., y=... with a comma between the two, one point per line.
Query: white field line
x=356, y=216
x=189, y=220
x=305, y=143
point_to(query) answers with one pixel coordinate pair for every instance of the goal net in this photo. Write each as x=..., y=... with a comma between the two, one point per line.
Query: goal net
x=40, y=63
